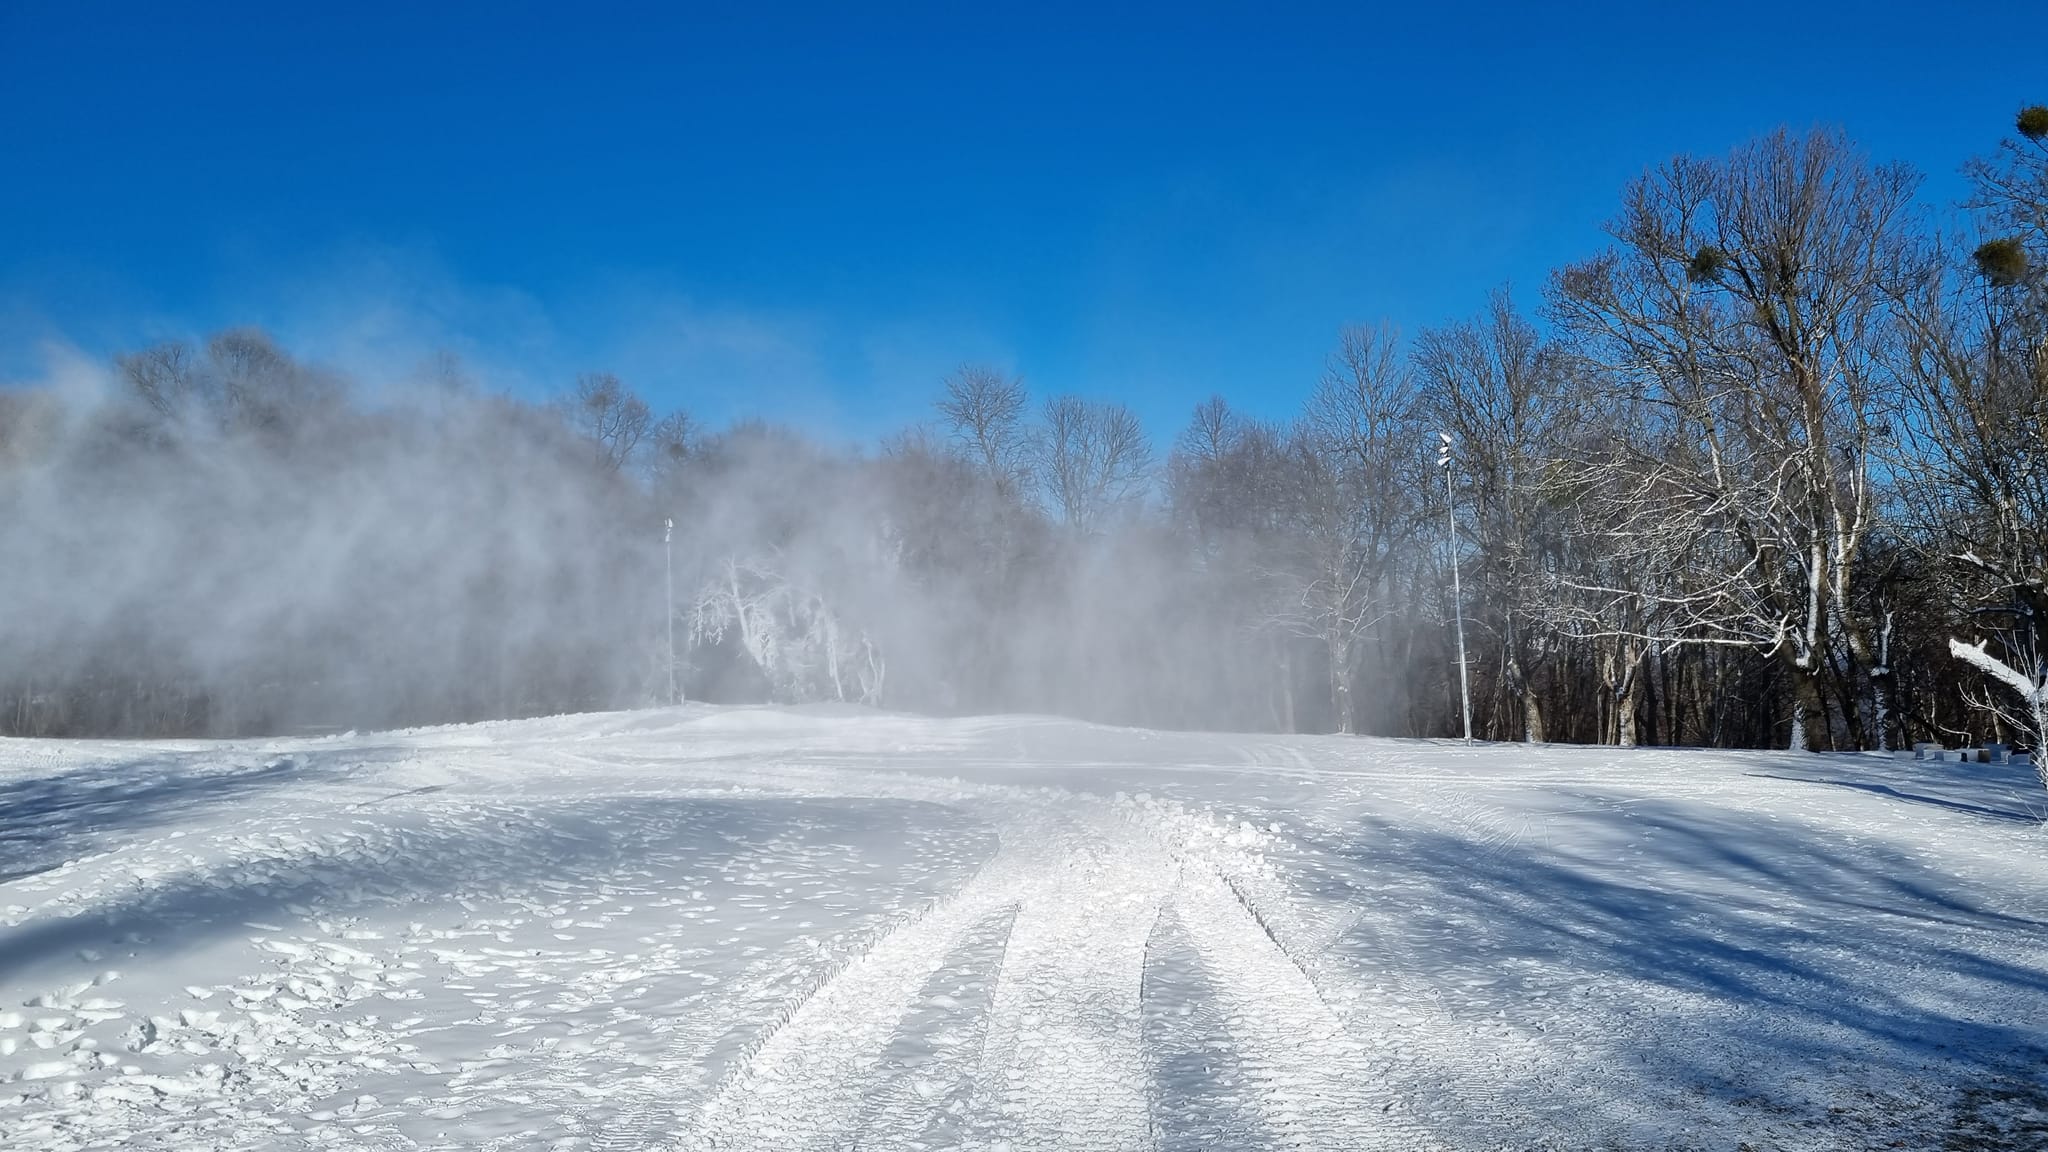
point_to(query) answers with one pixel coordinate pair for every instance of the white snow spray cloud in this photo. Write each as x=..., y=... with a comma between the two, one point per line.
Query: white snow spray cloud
x=218, y=537
x=221, y=539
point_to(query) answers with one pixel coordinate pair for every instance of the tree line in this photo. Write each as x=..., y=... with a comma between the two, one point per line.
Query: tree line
x=1770, y=469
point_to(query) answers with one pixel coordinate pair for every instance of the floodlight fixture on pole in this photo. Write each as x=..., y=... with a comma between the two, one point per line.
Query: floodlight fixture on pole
x=668, y=532
x=1443, y=461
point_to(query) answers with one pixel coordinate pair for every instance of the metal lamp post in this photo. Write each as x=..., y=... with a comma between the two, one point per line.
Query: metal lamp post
x=1443, y=461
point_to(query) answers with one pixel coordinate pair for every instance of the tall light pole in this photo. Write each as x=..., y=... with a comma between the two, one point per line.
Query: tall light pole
x=668, y=532
x=1443, y=461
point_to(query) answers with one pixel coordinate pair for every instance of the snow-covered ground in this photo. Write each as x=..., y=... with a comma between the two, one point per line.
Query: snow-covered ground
x=768, y=929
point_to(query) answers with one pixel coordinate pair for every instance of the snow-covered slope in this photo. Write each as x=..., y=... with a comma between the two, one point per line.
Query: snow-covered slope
x=767, y=929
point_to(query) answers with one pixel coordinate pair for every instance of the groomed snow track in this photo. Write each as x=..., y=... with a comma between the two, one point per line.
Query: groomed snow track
x=1071, y=903
x=756, y=928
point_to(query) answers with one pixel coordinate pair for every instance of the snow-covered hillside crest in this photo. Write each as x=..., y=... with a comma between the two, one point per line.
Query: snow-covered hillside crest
x=756, y=928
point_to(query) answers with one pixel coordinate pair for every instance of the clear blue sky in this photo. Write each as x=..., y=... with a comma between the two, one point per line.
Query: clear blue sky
x=813, y=212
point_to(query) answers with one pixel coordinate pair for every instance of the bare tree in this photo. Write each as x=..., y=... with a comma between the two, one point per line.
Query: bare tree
x=168, y=378
x=1354, y=503
x=1225, y=479
x=1616, y=580
x=611, y=417
x=788, y=633
x=1746, y=297
x=672, y=440
x=241, y=383
x=2012, y=202
x=1092, y=459
x=983, y=411
x=263, y=388
x=1230, y=492
x=1501, y=394
x=1973, y=456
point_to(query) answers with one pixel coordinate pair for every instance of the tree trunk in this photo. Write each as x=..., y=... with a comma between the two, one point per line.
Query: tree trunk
x=1806, y=708
x=1608, y=724
x=1532, y=716
x=1518, y=683
x=1340, y=681
x=1288, y=722
x=1287, y=691
x=1625, y=699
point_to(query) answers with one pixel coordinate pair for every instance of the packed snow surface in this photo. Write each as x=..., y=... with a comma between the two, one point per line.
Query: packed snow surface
x=764, y=929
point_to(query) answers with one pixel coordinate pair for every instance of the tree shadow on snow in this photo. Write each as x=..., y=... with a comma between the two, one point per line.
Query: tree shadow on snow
x=418, y=858
x=46, y=821
x=1993, y=791
x=1719, y=944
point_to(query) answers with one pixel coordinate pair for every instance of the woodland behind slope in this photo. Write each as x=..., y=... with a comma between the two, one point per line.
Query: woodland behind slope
x=1771, y=469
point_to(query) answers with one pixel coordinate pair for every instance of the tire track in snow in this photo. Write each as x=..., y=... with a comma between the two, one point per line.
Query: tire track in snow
x=1314, y=1084
x=1198, y=1080
x=1064, y=1065
x=921, y=1097
x=803, y=1086
x=660, y=1104
x=1065, y=1062
x=1062, y=1062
